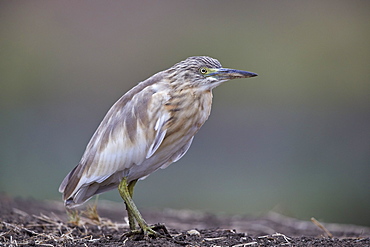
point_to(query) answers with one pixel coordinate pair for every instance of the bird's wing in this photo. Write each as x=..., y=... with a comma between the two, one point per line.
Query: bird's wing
x=131, y=132
x=160, y=133
x=178, y=155
x=182, y=151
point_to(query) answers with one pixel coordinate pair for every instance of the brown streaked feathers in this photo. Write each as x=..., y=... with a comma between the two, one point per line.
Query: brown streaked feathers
x=148, y=128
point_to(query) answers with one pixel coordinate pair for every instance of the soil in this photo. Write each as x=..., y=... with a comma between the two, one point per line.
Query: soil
x=26, y=222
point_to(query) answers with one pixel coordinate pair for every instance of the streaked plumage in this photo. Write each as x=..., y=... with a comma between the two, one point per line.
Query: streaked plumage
x=148, y=128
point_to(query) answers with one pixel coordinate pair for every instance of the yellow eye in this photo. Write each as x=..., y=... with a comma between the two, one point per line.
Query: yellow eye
x=203, y=70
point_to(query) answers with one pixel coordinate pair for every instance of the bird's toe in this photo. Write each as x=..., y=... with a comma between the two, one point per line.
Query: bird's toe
x=150, y=232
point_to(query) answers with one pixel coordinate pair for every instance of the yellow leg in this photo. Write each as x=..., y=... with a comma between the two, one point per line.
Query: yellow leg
x=131, y=218
x=126, y=191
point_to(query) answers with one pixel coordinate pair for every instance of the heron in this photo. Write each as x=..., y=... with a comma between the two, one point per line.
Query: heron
x=149, y=127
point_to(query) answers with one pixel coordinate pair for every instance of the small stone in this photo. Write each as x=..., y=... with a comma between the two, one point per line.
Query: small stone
x=193, y=232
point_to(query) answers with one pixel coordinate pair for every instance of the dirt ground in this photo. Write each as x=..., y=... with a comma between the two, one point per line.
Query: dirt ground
x=25, y=222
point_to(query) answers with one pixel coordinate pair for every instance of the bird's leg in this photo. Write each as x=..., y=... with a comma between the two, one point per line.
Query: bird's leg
x=133, y=213
x=131, y=218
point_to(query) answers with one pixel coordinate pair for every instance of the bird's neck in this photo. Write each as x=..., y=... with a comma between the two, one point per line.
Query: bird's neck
x=191, y=104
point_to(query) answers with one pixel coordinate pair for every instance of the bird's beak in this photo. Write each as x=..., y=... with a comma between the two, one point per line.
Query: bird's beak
x=228, y=74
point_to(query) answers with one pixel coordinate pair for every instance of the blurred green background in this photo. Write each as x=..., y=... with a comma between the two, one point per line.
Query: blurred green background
x=295, y=139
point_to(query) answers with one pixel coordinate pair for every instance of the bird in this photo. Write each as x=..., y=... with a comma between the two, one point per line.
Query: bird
x=149, y=127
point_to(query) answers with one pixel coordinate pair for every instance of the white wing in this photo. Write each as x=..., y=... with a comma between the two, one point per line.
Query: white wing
x=130, y=133
x=159, y=136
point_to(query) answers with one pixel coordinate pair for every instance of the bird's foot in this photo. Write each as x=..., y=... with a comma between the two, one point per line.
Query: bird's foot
x=155, y=231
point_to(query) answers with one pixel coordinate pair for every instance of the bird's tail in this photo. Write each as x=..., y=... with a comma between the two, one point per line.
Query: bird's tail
x=76, y=191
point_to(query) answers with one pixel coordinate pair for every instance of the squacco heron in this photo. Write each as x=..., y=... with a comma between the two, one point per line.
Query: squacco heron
x=150, y=127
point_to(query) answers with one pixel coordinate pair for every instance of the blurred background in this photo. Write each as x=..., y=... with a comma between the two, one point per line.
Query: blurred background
x=295, y=139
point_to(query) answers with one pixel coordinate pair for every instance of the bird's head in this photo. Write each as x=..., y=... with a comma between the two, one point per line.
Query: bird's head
x=203, y=72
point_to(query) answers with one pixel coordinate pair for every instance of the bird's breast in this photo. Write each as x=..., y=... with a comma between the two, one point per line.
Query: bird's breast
x=188, y=111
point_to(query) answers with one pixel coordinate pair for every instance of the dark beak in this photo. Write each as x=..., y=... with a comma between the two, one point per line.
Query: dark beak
x=228, y=74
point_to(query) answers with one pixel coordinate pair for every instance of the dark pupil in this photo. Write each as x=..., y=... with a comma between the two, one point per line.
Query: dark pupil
x=203, y=71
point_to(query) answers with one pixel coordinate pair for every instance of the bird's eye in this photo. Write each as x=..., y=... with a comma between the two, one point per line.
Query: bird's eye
x=203, y=70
